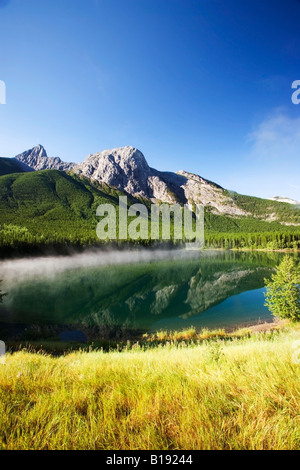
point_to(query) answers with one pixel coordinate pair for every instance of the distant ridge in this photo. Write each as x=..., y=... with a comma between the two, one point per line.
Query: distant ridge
x=285, y=199
x=37, y=159
x=12, y=165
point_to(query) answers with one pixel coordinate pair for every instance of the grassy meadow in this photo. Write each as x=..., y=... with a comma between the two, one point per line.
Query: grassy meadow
x=190, y=391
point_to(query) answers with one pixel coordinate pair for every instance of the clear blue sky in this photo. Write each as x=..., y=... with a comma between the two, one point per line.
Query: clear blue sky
x=200, y=85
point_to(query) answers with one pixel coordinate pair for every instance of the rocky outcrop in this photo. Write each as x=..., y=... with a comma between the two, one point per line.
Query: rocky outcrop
x=124, y=168
x=127, y=169
x=37, y=159
x=200, y=191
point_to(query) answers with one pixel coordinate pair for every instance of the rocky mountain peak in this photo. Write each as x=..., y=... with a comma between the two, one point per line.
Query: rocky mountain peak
x=123, y=157
x=40, y=151
x=34, y=154
x=125, y=168
x=37, y=159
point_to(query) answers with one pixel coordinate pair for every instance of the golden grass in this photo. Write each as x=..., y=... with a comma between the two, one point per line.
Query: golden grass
x=238, y=394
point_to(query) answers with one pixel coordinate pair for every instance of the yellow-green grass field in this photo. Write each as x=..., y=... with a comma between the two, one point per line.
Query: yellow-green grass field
x=224, y=392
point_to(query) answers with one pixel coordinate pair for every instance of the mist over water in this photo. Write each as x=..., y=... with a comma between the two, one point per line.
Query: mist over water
x=20, y=269
x=102, y=292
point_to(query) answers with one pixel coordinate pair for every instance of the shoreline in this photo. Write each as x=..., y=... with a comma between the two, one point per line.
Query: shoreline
x=190, y=336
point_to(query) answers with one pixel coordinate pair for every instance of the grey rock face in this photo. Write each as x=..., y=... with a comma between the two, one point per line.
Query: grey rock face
x=200, y=191
x=127, y=169
x=37, y=159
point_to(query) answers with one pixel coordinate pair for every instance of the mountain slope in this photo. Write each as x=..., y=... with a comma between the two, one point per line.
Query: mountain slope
x=51, y=205
x=270, y=211
x=58, y=206
x=11, y=165
x=52, y=209
x=126, y=169
x=285, y=199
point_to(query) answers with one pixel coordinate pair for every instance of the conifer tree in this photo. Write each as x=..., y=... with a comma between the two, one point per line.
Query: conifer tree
x=283, y=290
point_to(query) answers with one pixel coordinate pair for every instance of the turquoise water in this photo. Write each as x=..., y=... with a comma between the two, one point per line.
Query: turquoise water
x=105, y=295
x=238, y=310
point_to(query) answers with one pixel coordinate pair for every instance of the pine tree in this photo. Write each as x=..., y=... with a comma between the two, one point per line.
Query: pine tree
x=283, y=290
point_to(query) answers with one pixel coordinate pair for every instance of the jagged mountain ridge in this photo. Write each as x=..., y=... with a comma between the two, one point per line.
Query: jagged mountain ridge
x=126, y=169
x=37, y=159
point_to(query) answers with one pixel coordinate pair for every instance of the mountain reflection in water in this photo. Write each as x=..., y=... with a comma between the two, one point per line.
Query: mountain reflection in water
x=141, y=295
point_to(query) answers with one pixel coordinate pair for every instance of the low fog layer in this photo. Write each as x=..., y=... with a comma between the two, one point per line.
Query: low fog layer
x=21, y=269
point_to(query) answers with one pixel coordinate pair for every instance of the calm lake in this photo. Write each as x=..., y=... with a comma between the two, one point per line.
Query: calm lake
x=105, y=295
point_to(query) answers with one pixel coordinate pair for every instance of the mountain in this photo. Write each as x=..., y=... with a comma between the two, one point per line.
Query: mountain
x=285, y=199
x=11, y=165
x=49, y=205
x=37, y=159
x=52, y=210
x=126, y=170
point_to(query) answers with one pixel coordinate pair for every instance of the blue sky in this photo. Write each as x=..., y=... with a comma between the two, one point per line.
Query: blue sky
x=200, y=85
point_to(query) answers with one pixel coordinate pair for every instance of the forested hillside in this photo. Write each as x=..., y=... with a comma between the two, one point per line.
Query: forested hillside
x=49, y=207
x=11, y=165
x=54, y=208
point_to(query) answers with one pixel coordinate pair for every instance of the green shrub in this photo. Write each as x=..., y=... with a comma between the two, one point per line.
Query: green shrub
x=283, y=290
